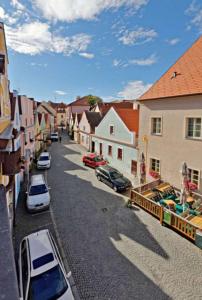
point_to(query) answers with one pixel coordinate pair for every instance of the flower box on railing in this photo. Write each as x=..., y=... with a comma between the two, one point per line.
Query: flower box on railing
x=192, y=186
x=154, y=174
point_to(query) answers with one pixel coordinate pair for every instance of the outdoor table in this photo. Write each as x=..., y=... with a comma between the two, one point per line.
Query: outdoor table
x=148, y=194
x=164, y=186
x=190, y=199
x=197, y=220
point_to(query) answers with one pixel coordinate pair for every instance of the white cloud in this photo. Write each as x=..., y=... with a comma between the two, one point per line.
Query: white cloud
x=195, y=11
x=173, y=42
x=134, y=89
x=61, y=93
x=87, y=55
x=16, y=4
x=117, y=63
x=34, y=64
x=35, y=38
x=6, y=18
x=144, y=61
x=138, y=36
x=71, y=10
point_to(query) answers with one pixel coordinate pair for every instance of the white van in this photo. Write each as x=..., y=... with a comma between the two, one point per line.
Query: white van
x=42, y=273
x=38, y=196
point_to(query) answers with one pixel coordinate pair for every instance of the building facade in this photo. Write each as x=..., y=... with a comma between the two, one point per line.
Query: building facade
x=27, y=128
x=171, y=120
x=116, y=139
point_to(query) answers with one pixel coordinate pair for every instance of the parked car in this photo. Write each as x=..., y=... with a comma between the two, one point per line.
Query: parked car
x=54, y=137
x=93, y=160
x=42, y=275
x=44, y=161
x=113, y=178
x=38, y=197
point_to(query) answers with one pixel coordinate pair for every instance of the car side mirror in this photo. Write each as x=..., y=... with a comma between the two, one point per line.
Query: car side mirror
x=69, y=274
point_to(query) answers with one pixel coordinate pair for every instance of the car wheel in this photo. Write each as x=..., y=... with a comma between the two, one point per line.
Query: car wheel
x=115, y=188
x=99, y=178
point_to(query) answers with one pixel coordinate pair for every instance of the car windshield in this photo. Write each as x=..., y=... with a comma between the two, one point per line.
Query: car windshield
x=115, y=175
x=38, y=189
x=42, y=158
x=49, y=285
x=97, y=158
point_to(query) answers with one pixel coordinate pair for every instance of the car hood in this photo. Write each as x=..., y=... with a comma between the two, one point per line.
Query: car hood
x=101, y=163
x=40, y=198
x=122, y=181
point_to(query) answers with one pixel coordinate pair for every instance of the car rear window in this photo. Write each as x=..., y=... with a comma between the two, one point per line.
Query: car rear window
x=38, y=189
x=45, y=259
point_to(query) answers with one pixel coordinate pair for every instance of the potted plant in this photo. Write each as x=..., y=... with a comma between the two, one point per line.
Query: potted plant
x=154, y=174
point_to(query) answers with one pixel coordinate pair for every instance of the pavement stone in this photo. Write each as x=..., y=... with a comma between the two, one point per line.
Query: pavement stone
x=115, y=252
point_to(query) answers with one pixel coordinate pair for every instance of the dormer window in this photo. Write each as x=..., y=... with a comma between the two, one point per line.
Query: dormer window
x=2, y=64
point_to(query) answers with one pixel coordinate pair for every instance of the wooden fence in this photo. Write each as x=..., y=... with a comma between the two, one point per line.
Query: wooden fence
x=175, y=221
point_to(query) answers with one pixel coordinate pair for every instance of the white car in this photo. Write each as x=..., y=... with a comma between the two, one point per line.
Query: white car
x=42, y=275
x=44, y=161
x=54, y=137
x=38, y=196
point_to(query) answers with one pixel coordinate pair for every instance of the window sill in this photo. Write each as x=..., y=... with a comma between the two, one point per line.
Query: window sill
x=193, y=139
x=156, y=134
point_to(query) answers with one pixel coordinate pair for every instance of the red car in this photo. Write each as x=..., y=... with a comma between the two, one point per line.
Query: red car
x=93, y=160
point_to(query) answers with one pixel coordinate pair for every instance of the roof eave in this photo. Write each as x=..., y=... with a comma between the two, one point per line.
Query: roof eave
x=166, y=97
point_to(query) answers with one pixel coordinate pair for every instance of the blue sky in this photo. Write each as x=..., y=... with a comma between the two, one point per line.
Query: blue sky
x=61, y=49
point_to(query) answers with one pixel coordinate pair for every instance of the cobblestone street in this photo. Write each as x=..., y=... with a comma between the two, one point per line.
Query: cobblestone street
x=113, y=252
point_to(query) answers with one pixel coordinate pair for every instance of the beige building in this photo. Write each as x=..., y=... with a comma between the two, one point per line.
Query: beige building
x=171, y=120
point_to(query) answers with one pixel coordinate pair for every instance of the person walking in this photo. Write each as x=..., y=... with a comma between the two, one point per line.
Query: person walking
x=60, y=139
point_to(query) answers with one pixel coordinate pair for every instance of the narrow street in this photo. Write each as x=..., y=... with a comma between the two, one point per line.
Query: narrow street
x=112, y=251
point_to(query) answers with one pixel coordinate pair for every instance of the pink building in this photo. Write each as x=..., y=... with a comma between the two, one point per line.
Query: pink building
x=78, y=106
x=26, y=106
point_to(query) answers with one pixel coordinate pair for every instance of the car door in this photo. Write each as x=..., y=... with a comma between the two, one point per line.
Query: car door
x=23, y=270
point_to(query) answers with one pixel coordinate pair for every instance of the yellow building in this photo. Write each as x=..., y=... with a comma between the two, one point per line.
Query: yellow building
x=5, y=109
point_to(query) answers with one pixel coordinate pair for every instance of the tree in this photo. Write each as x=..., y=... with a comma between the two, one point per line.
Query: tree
x=93, y=100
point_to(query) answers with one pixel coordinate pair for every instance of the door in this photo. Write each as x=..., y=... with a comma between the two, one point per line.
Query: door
x=134, y=167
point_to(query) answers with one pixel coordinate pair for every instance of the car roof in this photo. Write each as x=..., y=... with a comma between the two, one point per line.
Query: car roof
x=37, y=179
x=45, y=154
x=40, y=246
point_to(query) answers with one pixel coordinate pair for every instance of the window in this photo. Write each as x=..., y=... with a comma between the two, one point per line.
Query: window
x=120, y=154
x=61, y=116
x=194, y=176
x=194, y=129
x=134, y=167
x=111, y=129
x=100, y=148
x=110, y=150
x=2, y=64
x=156, y=126
x=155, y=165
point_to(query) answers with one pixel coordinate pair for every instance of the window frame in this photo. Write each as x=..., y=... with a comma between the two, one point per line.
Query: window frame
x=111, y=132
x=187, y=136
x=191, y=170
x=152, y=126
x=120, y=148
x=159, y=168
x=109, y=152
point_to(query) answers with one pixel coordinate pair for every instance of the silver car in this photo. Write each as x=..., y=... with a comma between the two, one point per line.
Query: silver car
x=44, y=161
x=38, y=196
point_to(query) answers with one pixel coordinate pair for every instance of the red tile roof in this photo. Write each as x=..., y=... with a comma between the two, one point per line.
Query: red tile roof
x=183, y=78
x=130, y=117
x=80, y=102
